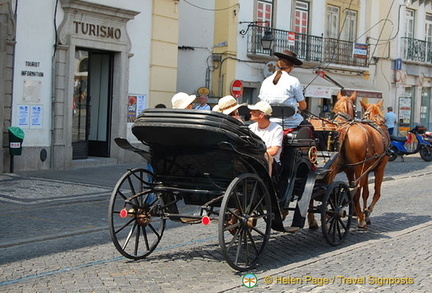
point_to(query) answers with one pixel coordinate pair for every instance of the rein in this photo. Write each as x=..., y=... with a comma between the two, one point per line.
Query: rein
x=376, y=156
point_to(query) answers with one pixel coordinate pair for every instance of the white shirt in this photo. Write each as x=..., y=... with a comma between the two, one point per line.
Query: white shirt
x=272, y=135
x=288, y=91
x=205, y=107
x=390, y=119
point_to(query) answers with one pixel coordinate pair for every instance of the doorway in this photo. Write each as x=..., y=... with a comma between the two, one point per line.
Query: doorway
x=92, y=104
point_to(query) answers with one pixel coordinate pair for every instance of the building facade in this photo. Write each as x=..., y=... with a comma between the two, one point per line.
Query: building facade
x=404, y=59
x=379, y=49
x=77, y=73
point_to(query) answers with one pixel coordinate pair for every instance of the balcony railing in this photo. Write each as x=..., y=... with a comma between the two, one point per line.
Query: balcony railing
x=341, y=52
x=416, y=50
x=307, y=47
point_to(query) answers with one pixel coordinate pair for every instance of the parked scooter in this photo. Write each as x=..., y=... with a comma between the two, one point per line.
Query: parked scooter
x=428, y=137
x=415, y=142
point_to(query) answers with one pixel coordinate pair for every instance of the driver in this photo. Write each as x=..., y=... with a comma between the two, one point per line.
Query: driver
x=281, y=88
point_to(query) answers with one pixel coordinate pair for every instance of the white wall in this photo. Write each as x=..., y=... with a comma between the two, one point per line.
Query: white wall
x=35, y=43
x=196, y=23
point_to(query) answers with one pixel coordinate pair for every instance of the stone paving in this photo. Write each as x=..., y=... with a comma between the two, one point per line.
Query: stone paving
x=44, y=247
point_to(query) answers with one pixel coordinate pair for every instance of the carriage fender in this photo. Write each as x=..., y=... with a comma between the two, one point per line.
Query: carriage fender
x=303, y=203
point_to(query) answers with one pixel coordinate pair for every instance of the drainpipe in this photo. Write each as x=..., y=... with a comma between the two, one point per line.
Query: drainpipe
x=53, y=87
x=11, y=162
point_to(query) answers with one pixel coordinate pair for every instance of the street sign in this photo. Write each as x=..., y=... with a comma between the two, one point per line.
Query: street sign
x=237, y=88
x=291, y=38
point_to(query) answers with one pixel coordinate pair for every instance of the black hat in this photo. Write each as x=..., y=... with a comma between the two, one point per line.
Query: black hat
x=290, y=56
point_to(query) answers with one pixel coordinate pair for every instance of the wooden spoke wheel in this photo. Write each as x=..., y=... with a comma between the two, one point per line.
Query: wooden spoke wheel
x=336, y=213
x=135, y=215
x=245, y=221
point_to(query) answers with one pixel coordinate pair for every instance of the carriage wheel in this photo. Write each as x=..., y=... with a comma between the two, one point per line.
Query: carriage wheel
x=336, y=213
x=245, y=221
x=135, y=218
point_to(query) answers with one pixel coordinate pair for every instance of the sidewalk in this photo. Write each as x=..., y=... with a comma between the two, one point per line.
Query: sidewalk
x=36, y=186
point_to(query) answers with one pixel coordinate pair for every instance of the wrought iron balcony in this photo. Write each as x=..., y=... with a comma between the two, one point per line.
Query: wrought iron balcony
x=341, y=52
x=416, y=50
x=308, y=48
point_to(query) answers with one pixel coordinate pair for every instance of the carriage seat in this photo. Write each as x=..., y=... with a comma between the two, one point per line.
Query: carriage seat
x=297, y=137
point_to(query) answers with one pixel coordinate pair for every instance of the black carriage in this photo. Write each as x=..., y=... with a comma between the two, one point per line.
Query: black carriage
x=213, y=161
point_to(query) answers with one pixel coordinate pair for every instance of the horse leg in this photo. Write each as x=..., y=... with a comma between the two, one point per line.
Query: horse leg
x=360, y=216
x=313, y=224
x=379, y=176
x=365, y=195
x=359, y=212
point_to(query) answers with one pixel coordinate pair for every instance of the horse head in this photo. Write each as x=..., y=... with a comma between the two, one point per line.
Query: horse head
x=373, y=112
x=345, y=106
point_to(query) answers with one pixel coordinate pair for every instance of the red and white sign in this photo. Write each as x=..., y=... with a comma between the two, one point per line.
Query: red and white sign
x=237, y=88
x=291, y=38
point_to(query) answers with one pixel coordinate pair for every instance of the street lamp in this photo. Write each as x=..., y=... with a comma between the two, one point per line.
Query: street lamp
x=267, y=40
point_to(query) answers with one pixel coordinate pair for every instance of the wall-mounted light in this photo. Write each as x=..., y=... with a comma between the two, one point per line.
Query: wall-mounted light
x=267, y=40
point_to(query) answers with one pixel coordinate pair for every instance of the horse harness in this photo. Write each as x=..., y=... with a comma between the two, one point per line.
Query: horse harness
x=343, y=130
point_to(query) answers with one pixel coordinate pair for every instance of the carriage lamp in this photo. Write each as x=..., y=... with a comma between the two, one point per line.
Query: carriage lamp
x=267, y=40
x=205, y=220
x=123, y=213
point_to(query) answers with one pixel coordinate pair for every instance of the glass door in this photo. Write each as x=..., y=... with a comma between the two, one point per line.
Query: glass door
x=92, y=104
x=80, y=106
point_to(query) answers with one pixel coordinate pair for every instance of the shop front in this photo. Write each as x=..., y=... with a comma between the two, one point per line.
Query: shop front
x=91, y=62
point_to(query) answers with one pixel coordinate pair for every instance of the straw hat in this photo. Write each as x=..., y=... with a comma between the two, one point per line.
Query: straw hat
x=182, y=100
x=263, y=107
x=289, y=55
x=227, y=105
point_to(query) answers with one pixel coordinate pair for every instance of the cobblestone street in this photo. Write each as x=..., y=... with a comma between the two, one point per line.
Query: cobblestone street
x=64, y=246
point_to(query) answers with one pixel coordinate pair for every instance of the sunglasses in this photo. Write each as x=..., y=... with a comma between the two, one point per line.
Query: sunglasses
x=235, y=113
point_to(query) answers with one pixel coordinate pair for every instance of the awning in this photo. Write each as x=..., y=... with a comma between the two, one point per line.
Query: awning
x=316, y=86
x=351, y=83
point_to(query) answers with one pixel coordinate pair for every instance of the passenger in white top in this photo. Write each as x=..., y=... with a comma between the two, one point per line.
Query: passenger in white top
x=203, y=103
x=270, y=132
x=281, y=88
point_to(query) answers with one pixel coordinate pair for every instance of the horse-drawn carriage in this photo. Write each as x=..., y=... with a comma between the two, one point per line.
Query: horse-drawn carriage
x=213, y=161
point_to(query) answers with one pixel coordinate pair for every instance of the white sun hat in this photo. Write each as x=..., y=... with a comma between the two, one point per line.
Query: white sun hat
x=263, y=107
x=227, y=105
x=182, y=100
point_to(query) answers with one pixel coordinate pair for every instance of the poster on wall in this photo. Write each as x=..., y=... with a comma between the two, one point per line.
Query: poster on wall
x=404, y=114
x=136, y=104
x=36, y=117
x=23, y=115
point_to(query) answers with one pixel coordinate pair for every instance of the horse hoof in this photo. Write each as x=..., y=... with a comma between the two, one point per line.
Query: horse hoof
x=367, y=219
x=363, y=227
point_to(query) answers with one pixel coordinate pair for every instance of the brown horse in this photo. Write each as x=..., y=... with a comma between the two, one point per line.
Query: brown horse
x=363, y=149
x=373, y=113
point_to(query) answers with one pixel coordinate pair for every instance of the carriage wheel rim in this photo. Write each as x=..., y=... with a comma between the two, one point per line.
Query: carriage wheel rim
x=336, y=222
x=243, y=241
x=138, y=234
